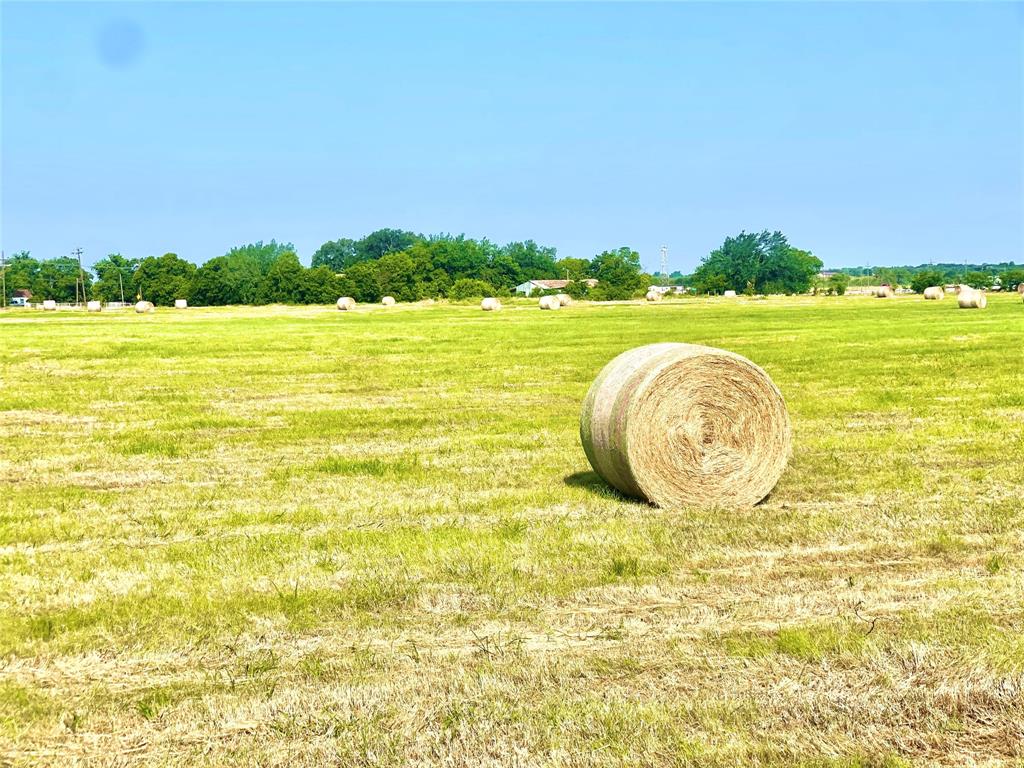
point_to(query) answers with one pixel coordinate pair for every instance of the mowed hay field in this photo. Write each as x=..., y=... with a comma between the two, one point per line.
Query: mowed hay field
x=304, y=537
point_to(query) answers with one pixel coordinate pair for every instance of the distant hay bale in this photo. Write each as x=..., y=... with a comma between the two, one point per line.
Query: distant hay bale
x=653, y=296
x=564, y=299
x=49, y=305
x=934, y=293
x=346, y=303
x=144, y=306
x=388, y=301
x=550, y=302
x=730, y=294
x=180, y=304
x=883, y=292
x=971, y=299
x=490, y=304
x=686, y=425
x=93, y=306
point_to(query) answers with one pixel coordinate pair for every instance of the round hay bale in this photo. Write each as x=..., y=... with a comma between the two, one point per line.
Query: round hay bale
x=93, y=306
x=971, y=299
x=144, y=306
x=346, y=303
x=490, y=304
x=549, y=302
x=388, y=301
x=730, y=294
x=564, y=299
x=653, y=296
x=49, y=305
x=180, y=304
x=934, y=293
x=883, y=292
x=686, y=425
x=1020, y=288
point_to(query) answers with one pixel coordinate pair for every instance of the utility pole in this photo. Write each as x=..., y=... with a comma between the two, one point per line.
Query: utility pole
x=81, y=276
x=3, y=278
x=664, y=265
x=120, y=282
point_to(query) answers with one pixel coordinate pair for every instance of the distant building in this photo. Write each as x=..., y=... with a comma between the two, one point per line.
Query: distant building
x=548, y=285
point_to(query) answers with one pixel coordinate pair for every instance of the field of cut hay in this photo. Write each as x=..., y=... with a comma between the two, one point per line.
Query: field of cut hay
x=305, y=537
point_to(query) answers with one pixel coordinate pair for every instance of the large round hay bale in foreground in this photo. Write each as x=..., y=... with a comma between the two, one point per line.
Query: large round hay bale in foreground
x=971, y=299
x=93, y=306
x=883, y=292
x=346, y=303
x=1020, y=288
x=388, y=301
x=685, y=425
x=144, y=306
x=490, y=304
x=49, y=305
x=181, y=304
x=934, y=293
x=549, y=302
x=564, y=299
x=653, y=296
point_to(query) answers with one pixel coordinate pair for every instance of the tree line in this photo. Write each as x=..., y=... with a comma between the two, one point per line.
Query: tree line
x=391, y=262
x=412, y=266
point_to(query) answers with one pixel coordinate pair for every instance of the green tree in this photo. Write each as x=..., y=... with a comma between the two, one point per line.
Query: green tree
x=162, y=279
x=838, y=283
x=57, y=279
x=977, y=279
x=765, y=261
x=22, y=273
x=384, y=241
x=284, y=282
x=925, y=279
x=338, y=255
x=467, y=288
x=263, y=255
x=535, y=262
x=225, y=280
x=362, y=283
x=320, y=285
x=1011, y=278
x=571, y=268
x=618, y=274
x=115, y=274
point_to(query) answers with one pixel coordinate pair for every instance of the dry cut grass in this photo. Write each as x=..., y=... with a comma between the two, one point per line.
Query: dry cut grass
x=306, y=537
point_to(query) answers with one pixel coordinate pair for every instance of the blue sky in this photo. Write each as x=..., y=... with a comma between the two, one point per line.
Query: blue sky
x=873, y=133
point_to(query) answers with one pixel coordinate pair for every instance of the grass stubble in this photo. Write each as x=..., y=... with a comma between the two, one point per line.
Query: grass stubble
x=295, y=536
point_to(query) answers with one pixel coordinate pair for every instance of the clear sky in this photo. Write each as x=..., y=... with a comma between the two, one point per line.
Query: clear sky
x=876, y=133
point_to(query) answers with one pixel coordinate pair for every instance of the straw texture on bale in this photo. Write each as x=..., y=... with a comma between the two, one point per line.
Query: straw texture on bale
x=490, y=304
x=180, y=304
x=971, y=299
x=653, y=296
x=144, y=306
x=564, y=299
x=686, y=425
x=388, y=301
x=730, y=294
x=93, y=306
x=346, y=303
x=883, y=292
x=1020, y=288
x=50, y=305
x=934, y=293
x=549, y=302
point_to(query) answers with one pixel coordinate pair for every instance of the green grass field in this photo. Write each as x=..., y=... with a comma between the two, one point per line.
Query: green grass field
x=303, y=537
